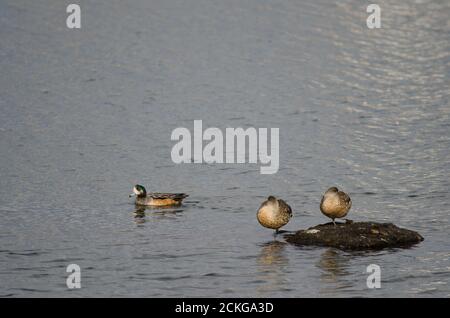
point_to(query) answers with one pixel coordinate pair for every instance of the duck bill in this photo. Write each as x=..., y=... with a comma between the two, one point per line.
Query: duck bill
x=132, y=195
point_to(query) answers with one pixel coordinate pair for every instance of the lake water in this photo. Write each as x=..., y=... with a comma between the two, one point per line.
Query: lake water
x=86, y=114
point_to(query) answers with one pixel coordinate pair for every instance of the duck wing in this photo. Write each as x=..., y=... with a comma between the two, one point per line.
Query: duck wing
x=344, y=197
x=174, y=196
x=284, y=207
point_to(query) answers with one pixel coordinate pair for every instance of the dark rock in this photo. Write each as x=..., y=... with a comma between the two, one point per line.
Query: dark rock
x=355, y=236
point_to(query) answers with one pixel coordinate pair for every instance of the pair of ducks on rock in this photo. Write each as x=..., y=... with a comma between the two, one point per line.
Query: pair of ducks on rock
x=273, y=214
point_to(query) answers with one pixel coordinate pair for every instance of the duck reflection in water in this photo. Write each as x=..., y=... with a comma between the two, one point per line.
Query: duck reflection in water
x=139, y=215
x=272, y=262
x=334, y=264
x=141, y=212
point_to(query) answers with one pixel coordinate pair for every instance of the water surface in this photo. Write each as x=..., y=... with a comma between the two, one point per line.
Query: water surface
x=86, y=114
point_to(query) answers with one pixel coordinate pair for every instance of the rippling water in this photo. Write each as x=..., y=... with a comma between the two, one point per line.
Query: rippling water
x=85, y=114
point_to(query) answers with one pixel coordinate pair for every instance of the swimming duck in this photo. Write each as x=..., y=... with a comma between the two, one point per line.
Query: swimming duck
x=335, y=204
x=156, y=199
x=274, y=213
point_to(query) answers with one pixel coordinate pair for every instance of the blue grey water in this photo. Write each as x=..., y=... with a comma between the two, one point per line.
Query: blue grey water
x=86, y=114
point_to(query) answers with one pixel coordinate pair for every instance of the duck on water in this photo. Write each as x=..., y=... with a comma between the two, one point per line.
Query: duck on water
x=156, y=198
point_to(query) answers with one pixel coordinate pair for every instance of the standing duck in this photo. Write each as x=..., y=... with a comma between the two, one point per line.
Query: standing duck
x=274, y=213
x=156, y=199
x=335, y=204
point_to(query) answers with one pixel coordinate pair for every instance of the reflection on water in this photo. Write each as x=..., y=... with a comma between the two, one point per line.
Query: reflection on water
x=272, y=254
x=271, y=263
x=141, y=213
x=334, y=266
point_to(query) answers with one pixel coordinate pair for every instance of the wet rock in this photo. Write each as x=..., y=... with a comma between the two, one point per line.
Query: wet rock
x=355, y=236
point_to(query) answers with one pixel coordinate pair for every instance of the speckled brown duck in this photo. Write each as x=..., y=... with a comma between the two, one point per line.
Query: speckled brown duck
x=274, y=213
x=335, y=204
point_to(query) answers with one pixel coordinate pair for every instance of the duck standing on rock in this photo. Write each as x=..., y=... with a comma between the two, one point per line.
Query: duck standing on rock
x=274, y=213
x=335, y=204
x=156, y=199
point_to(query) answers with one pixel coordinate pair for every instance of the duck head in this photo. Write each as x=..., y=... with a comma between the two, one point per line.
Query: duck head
x=138, y=191
x=332, y=190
